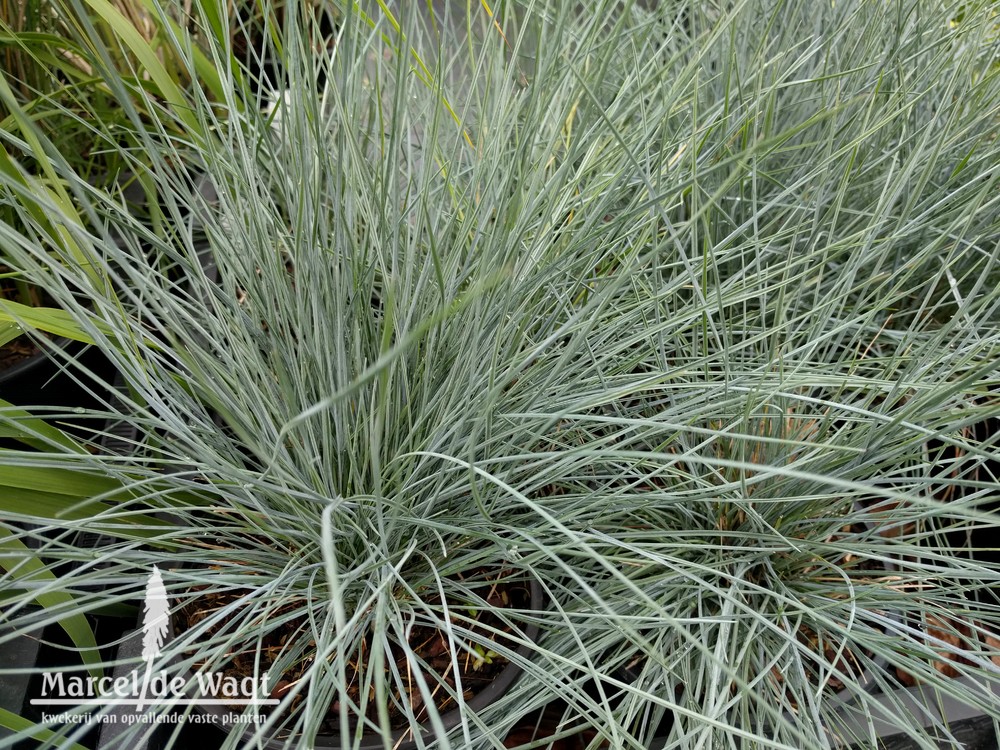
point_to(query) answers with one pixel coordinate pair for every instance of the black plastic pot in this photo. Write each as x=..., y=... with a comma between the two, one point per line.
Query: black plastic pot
x=117, y=731
x=892, y=711
x=33, y=654
x=210, y=735
x=941, y=714
x=18, y=657
x=41, y=381
x=945, y=717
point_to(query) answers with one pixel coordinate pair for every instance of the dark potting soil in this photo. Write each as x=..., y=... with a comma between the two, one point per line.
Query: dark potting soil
x=16, y=351
x=21, y=348
x=477, y=666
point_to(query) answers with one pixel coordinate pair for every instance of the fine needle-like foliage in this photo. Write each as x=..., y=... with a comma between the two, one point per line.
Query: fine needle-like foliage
x=688, y=312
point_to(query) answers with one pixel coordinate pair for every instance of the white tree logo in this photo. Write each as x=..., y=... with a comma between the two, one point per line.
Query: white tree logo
x=154, y=626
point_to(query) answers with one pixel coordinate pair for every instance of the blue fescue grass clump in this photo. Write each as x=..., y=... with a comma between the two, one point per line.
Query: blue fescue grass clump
x=688, y=313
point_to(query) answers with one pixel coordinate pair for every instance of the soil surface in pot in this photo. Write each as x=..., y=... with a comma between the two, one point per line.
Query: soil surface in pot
x=830, y=648
x=15, y=352
x=21, y=348
x=960, y=635
x=478, y=664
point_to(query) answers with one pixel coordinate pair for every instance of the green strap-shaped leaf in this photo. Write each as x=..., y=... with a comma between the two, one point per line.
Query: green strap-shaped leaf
x=48, y=319
x=146, y=56
x=64, y=494
x=20, y=425
x=207, y=73
x=54, y=191
x=57, y=481
x=28, y=728
x=23, y=565
x=9, y=331
x=67, y=494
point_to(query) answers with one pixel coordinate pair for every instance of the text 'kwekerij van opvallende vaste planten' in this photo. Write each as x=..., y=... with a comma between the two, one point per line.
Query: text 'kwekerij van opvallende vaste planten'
x=608, y=375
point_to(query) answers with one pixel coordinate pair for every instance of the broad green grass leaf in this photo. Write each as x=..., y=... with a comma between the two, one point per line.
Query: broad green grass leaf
x=48, y=319
x=22, y=426
x=9, y=331
x=26, y=728
x=66, y=494
x=25, y=568
x=146, y=55
x=53, y=191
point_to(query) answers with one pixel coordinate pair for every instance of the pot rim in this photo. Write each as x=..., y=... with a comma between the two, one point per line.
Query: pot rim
x=403, y=739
